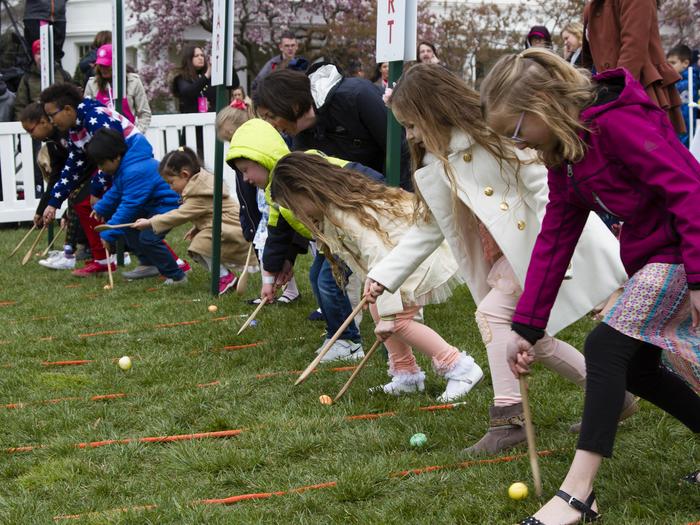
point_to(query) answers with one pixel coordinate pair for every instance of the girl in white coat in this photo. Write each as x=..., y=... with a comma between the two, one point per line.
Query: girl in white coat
x=487, y=199
x=359, y=220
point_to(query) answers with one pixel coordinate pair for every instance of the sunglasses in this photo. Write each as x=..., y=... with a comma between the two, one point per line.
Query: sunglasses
x=515, y=137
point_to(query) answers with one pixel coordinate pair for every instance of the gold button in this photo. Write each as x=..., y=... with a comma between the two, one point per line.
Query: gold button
x=504, y=206
x=521, y=225
x=488, y=191
x=467, y=157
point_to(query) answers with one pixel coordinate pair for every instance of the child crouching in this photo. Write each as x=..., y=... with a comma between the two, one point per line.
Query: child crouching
x=183, y=173
x=137, y=192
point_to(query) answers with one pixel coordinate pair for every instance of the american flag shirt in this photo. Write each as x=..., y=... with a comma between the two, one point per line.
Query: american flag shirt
x=91, y=117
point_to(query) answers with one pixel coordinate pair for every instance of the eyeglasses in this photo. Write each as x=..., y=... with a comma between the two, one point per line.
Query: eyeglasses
x=31, y=130
x=515, y=137
x=52, y=115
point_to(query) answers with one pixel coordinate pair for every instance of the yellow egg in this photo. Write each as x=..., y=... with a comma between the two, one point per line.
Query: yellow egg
x=125, y=363
x=325, y=400
x=517, y=491
x=213, y=308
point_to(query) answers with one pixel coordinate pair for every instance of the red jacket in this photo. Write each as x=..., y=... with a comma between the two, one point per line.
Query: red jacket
x=635, y=169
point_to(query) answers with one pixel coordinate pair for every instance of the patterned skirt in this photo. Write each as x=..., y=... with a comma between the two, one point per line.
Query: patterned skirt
x=655, y=308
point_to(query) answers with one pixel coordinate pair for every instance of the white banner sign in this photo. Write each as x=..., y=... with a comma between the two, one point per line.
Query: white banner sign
x=222, y=50
x=46, y=40
x=397, y=24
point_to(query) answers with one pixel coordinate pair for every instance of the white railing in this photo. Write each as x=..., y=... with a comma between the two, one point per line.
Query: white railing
x=18, y=201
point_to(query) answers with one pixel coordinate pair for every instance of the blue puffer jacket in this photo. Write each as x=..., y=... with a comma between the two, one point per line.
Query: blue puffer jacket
x=138, y=190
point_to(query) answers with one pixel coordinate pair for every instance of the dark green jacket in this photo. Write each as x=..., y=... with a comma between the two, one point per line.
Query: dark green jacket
x=30, y=86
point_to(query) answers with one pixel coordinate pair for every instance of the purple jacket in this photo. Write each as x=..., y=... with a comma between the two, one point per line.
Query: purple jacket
x=635, y=169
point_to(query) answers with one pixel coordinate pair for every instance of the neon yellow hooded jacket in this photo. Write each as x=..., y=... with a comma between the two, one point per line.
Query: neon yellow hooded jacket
x=260, y=142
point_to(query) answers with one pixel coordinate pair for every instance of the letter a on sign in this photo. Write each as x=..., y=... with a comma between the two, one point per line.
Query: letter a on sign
x=396, y=30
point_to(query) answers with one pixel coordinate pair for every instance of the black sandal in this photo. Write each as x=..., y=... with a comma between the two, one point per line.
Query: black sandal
x=587, y=513
x=693, y=477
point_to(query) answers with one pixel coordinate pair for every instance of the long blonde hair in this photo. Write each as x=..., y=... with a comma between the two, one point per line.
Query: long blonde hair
x=232, y=118
x=330, y=189
x=538, y=82
x=437, y=102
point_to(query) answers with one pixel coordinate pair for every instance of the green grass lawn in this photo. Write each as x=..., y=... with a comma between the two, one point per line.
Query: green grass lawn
x=289, y=440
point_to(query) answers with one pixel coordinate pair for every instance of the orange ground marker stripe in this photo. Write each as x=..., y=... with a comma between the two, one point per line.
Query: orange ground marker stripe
x=106, y=332
x=329, y=484
x=154, y=439
x=7, y=303
x=241, y=347
x=430, y=408
x=75, y=362
x=181, y=323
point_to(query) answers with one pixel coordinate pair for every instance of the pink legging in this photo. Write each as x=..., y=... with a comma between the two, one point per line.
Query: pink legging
x=409, y=333
x=493, y=316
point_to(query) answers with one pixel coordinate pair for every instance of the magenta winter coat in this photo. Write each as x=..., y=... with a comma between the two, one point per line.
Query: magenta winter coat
x=635, y=169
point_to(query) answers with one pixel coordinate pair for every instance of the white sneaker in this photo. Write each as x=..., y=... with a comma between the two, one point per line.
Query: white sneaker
x=59, y=262
x=402, y=384
x=325, y=341
x=343, y=349
x=461, y=379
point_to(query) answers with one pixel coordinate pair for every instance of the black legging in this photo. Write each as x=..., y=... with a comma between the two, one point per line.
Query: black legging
x=615, y=363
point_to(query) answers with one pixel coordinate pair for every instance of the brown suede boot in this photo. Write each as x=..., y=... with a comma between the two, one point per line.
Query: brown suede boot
x=506, y=430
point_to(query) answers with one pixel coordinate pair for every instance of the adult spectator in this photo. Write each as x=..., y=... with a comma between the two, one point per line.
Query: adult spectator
x=7, y=102
x=86, y=66
x=192, y=82
x=30, y=85
x=572, y=35
x=625, y=33
x=15, y=57
x=52, y=11
x=288, y=47
x=381, y=76
x=427, y=53
x=538, y=36
x=343, y=117
x=135, y=106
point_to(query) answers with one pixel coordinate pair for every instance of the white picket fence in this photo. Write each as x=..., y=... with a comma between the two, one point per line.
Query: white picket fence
x=18, y=201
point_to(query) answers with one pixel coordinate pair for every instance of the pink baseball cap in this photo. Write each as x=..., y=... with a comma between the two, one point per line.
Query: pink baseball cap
x=104, y=55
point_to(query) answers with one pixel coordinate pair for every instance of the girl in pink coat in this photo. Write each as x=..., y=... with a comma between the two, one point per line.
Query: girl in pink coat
x=610, y=149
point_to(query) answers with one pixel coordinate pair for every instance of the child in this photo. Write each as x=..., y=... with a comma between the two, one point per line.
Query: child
x=135, y=106
x=183, y=173
x=679, y=57
x=360, y=221
x=486, y=199
x=255, y=211
x=607, y=145
x=255, y=150
x=81, y=118
x=137, y=192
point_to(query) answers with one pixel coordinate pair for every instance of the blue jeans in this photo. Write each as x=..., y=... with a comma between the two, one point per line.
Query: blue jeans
x=151, y=251
x=333, y=301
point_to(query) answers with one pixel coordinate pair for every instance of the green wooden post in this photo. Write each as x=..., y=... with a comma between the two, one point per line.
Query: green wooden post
x=218, y=197
x=393, y=136
x=119, y=86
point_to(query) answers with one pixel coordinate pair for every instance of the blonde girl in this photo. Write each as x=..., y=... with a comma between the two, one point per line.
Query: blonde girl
x=360, y=220
x=608, y=148
x=183, y=173
x=486, y=198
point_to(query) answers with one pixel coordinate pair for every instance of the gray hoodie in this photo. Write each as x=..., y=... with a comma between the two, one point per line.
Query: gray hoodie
x=7, y=102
